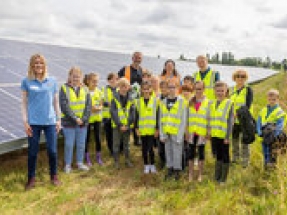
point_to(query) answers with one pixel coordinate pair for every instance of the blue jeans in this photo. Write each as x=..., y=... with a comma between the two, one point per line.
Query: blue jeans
x=266, y=152
x=33, y=148
x=75, y=134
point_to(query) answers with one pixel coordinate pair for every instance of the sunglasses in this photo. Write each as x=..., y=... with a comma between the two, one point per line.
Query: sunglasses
x=240, y=76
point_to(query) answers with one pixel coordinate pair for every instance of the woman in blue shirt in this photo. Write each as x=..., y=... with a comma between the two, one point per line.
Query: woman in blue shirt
x=40, y=112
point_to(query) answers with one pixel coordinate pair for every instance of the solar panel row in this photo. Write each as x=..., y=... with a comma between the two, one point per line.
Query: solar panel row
x=14, y=59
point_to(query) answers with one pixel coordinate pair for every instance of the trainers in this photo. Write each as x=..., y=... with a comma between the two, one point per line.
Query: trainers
x=146, y=169
x=68, y=169
x=30, y=184
x=83, y=167
x=153, y=169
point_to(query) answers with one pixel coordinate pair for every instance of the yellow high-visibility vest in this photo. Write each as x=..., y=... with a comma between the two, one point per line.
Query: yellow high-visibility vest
x=276, y=114
x=96, y=99
x=208, y=83
x=147, y=115
x=198, y=121
x=76, y=103
x=171, y=119
x=239, y=100
x=123, y=113
x=107, y=97
x=219, y=118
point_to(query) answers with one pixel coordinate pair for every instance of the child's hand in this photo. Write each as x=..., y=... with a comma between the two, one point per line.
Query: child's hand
x=138, y=132
x=226, y=141
x=124, y=128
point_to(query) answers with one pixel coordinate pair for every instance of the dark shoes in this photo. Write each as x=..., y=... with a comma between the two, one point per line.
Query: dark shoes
x=55, y=181
x=30, y=184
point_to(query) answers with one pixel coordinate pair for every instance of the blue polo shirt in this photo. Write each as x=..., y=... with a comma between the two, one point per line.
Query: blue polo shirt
x=40, y=100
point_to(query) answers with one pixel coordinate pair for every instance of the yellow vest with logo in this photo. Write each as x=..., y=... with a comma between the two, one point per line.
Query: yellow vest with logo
x=239, y=100
x=147, y=115
x=276, y=114
x=76, y=103
x=96, y=99
x=208, y=82
x=199, y=120
x=171, y=119
x=123, y=113
x=219, y=118
x=107, y=97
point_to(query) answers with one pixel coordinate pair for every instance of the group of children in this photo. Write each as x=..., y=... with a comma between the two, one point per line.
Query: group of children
x=179, y=121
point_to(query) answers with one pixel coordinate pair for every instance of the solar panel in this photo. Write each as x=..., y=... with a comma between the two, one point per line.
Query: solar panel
x=14, y=59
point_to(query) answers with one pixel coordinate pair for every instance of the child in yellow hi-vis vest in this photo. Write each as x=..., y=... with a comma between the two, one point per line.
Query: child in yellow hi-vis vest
x=146, y=125
x=95, y=117
x=271, y=115
x=122, y=115
x=221, y=124
x=172, y=121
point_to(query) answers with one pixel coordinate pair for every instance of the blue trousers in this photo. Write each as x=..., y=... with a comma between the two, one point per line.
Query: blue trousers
x=33, y=148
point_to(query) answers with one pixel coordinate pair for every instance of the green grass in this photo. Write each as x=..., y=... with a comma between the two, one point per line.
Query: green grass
x=104, y=190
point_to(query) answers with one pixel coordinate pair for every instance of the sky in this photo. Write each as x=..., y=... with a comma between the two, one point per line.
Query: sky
x=156, y=27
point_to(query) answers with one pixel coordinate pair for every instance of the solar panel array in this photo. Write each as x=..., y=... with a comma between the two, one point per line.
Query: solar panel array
x=14, y=59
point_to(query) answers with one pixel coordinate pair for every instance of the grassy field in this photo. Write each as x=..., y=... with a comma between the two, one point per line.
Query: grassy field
x=103, y=190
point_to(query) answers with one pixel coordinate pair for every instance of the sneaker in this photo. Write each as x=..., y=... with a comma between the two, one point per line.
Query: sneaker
x=30, y=184
x=83, y=167
x=146, y=169
x=153, y=169
x=68, y=169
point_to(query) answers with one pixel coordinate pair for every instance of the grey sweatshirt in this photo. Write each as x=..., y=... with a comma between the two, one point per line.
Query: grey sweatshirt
x=69, y=120
x=180, y=135
x=114, y=110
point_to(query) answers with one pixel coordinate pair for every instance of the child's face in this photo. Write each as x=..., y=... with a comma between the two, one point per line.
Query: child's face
x=171, y=90
x=272, y=99
x=187, y=82
x=113, y=81
x=123, y=89
x=93, y=82
x=220, y=92
x=186, y=94
x=146, y=91
x=146, y=77
x=75, y=79
x=163, y=89
x=199, y=90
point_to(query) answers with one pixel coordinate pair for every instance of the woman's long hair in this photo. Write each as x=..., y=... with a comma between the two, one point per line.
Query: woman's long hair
x=31, y=72
x=174, y=72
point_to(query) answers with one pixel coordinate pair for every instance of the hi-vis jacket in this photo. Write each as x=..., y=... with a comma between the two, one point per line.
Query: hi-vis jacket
x=172, y=121
x=96, y=98
x=208, y=80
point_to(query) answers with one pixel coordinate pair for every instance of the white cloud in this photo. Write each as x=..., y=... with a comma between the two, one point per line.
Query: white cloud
x=165, y=27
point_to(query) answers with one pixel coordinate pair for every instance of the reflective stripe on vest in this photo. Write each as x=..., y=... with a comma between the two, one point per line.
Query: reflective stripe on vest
x=147, y=115
x=128, y=73
x=239, y=100
x=123, y=113
x=171, y=119
x=96, y=99
x=107, y=97
x=219, y=117
x=276, y=114
x=76, y=103
x=208, y=82
x=198, y=120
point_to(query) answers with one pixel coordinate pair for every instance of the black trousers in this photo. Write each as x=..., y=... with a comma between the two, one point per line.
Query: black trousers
x=222, y=150
x=96, y=129
x=161, y=152
x=109, y=134
x=147, y=149
x=192, y=150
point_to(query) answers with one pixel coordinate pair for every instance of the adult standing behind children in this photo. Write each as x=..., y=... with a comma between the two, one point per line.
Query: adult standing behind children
x=207, y=75
x=170, y=73
x=133, y=73
x=40, y=112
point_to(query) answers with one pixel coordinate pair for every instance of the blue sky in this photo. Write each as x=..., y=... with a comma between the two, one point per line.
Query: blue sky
x=166, y=27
